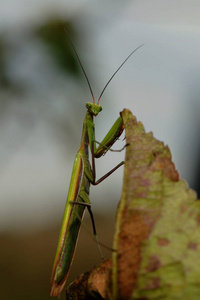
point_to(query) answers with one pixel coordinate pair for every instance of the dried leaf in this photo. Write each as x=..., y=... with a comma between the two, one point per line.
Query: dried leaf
x=91, y=285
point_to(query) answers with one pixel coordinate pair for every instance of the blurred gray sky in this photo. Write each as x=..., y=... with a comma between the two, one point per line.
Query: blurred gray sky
x=159, y=84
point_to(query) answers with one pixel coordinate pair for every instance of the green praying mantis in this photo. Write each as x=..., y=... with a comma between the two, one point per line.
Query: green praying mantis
x=83, y=174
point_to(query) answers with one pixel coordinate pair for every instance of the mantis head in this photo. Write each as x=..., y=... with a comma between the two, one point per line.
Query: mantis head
x=93, y=108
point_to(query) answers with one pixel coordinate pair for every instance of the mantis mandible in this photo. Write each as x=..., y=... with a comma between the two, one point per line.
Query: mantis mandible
x=83, y=174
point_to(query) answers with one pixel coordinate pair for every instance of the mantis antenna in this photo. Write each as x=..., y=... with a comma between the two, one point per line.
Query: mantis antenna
x=117, y=71
x=86, y=77
x=80, y=63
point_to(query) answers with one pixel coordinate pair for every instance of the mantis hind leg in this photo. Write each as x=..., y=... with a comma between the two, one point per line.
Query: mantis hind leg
x=86, y=203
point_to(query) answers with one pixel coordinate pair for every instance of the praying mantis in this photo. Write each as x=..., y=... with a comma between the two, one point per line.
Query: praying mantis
x=83, y=174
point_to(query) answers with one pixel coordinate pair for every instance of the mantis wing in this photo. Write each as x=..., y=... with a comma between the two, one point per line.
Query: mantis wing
x=69, y=230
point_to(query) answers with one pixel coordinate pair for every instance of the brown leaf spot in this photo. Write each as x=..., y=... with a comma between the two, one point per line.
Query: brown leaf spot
x=153, y=284
x=184, y=208
x=166, y=165
x=163, y=241
x=192, y=245
x=153, y=263
x=198, y=219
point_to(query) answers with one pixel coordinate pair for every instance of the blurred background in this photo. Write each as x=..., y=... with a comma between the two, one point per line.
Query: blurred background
x=42, y=106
